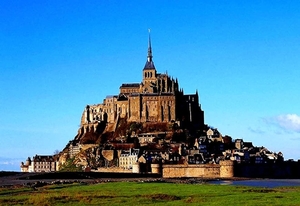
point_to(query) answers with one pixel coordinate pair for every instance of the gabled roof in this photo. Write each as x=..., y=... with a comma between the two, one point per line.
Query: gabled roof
x=43, y=158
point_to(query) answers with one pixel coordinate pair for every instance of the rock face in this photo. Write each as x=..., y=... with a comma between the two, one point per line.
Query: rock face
x=108, y=154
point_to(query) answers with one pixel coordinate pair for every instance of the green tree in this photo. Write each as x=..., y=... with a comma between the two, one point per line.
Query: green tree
x=70, y=166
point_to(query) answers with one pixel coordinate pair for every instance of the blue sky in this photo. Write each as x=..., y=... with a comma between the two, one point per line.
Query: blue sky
x=59, y=56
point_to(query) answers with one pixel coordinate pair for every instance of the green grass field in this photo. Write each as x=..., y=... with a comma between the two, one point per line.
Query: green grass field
x=134, y=193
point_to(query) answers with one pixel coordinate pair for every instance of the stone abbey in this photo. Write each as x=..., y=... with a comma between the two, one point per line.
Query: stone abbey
x=157, y=98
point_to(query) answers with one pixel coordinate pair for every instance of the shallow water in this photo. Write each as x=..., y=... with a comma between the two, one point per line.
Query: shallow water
x=269, y=183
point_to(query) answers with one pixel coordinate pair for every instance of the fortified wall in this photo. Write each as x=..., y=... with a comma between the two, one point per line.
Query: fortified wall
x=226, y=169
x=223, y=170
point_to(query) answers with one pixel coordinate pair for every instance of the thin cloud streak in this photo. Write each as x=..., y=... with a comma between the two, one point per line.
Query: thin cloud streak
x=10, y=164
x=288, y=122
x=256, y=130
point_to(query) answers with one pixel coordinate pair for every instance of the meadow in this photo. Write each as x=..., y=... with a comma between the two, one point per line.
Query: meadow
x=145, y=193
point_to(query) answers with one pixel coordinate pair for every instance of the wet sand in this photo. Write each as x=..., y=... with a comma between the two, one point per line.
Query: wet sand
x=17, y=179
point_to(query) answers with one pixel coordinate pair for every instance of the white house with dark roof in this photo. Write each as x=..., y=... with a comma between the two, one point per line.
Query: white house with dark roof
x=40, y=163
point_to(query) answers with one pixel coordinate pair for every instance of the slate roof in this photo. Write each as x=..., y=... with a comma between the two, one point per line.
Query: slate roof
x=131, y=85
x=149, y=65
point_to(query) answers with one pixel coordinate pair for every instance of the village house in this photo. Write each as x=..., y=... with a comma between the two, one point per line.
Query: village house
x=40, y=163
x=146, y=138
x=128, y=158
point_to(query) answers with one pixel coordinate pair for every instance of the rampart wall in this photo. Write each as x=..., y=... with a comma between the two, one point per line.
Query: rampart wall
x=222, y=170
x=226, y=169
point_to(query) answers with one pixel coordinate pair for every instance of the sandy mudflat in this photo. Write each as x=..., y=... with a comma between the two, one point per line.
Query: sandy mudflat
x=8, y=179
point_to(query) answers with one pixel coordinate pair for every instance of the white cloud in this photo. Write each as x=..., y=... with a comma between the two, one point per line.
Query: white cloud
x=10, y=164
x=287, y=122
x=9, y=161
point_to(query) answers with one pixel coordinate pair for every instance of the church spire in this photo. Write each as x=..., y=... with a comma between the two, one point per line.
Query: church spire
x=149, y=57
x=149, y=63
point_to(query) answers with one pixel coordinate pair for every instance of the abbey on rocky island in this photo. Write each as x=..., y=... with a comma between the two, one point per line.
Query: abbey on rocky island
x=157, y=98
x=152, y=127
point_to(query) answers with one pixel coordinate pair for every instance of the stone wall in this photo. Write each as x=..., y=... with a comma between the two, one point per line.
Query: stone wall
x=201, y=171
x=224, y=169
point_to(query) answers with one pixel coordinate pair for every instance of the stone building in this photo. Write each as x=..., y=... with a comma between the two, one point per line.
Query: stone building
x=128, y=158
x=40, y=163
x=157, y=98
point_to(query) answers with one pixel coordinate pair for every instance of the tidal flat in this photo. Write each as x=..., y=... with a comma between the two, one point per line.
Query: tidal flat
x=148, y=193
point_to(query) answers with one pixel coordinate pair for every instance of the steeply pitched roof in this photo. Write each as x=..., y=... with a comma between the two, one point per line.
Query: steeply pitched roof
x=149, y=63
